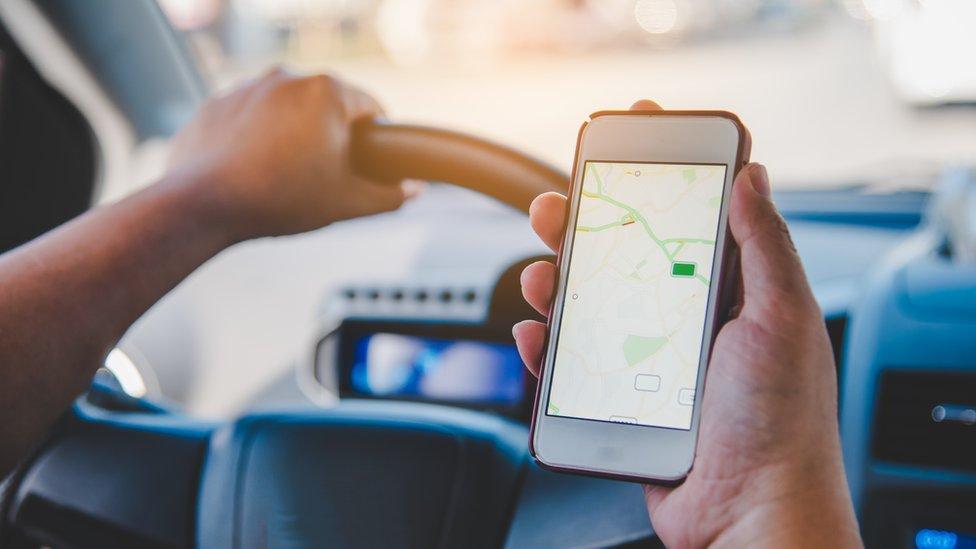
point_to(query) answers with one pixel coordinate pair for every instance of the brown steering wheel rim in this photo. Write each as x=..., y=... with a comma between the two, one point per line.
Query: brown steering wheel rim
x=386, y=151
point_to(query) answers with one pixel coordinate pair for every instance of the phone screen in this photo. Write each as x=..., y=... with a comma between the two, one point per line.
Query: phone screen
x=633, y=320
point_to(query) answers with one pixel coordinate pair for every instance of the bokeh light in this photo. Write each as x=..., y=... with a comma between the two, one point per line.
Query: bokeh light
x=656, y=16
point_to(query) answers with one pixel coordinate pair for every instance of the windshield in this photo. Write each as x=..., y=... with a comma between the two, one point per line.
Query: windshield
x=833, y=92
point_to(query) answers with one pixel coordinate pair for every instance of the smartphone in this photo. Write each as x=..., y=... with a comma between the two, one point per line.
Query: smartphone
x=645, y=270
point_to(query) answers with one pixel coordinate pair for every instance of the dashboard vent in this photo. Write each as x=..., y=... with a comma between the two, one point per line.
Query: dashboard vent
x=444, y=295
x=926, y=418
x=430, y=301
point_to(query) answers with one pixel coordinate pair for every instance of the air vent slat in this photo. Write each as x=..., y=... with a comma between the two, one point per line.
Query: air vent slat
x=905, y=430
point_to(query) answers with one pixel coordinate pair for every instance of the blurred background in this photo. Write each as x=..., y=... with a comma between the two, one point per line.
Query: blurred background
x=832, y=90
x=836, y=93
x=864, y=112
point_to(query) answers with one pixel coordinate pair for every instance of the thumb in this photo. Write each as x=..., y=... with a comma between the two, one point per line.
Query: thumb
x=772, y=274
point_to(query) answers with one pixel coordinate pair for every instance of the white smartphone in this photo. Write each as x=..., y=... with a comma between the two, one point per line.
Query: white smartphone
x=643, y=269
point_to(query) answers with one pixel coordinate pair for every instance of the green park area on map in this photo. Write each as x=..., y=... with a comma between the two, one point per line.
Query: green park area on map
x=637, y=348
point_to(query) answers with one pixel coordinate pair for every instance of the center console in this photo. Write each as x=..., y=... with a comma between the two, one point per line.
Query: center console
x=908, y=408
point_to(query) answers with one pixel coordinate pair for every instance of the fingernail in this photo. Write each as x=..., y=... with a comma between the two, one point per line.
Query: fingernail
x=760, y=179
x=515, y=330
x=412, y=187
x=522, y=279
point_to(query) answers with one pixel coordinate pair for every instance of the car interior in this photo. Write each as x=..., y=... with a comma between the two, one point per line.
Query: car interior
x=340, y=451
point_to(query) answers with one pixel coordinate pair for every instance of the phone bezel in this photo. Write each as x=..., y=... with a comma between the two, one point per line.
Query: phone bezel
x=637, y=451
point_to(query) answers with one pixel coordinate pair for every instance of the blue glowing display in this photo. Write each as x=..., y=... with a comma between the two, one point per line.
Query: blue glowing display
x=929, y=538
x=396, y=365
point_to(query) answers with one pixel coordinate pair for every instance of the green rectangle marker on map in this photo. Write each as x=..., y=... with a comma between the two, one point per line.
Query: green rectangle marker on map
x=682, y=269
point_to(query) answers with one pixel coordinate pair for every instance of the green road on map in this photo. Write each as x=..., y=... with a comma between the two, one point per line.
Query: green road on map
x=634, y=215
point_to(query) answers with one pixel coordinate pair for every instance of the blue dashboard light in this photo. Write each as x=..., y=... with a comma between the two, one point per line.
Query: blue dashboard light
x=936, y=539
x=470, y=371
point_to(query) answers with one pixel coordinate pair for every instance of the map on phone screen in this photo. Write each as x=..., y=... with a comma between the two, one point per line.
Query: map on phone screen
x=633, y=320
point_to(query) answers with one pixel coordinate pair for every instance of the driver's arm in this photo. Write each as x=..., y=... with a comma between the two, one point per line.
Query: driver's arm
x=268, y=159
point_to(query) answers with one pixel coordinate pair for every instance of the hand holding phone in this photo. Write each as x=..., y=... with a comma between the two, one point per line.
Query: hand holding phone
x=768, y=463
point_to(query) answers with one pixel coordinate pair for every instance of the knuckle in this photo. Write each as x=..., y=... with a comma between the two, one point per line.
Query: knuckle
x=275, y=87
x=275, y=72
x=783, y=231
x=769, y=230
x=792, y=307
x=324, y=84
x=283, y=82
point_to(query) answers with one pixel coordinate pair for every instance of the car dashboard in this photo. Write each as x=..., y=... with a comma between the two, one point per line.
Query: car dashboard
x=430, y=372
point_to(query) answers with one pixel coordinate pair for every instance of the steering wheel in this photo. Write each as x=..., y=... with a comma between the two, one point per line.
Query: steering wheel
x=392, y=152
x=363, y=474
